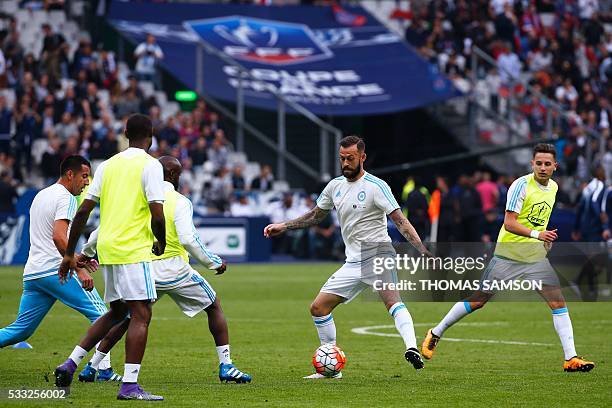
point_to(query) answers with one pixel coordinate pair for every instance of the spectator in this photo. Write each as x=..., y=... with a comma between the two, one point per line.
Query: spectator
x=51, y=160
x=218, y=154
x=8, y=193
x=509, y=66
x=82, y=56
x=105, y=148
x=50, y=54
x=447, y=221
x=91, y=102
x=415, y=204
x=490, y=226
x=469, y=208
x=6, y=116
x=47, y=121
x=148, y=55
x=198, y=152
x=218, y=191
x=3, y=78
x=238, y=183
x=188, y=130
x=489, y=194
x=241, y=207
x=169, y=132
x=66, y=127
x=127, y=104
x=27, y=126
x=68, y=104
x=263, y=182
x=105, y=126
x=281, y=211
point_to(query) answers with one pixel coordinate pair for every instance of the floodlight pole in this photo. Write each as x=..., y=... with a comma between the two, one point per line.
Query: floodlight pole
x=338, y=137
x=199, y=78
x=240, y=114
x=323, y=154
x=282, y=142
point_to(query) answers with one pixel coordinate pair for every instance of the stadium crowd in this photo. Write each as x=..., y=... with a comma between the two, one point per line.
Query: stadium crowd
x=561, y=48
x=54, y=103
x=62, y=100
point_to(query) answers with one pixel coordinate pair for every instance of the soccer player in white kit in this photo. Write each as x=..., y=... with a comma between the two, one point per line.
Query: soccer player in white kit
x=362, y=202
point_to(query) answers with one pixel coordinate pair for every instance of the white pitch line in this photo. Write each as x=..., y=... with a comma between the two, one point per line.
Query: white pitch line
x=367, y=330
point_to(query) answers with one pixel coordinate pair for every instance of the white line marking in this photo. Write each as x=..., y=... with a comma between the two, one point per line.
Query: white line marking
x=368, y=330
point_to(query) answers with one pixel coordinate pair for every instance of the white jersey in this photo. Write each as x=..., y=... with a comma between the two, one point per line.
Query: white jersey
x=50, y=204
x=362, y=207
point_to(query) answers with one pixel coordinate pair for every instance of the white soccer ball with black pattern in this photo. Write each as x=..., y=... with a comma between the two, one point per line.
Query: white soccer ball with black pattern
x=328, y=360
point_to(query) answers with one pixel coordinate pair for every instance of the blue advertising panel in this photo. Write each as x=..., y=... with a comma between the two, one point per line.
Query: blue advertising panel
x=331, y=63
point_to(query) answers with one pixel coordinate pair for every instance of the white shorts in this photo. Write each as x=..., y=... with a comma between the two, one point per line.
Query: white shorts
x=502, y=269
x=189, y=290
x=128, y=282
x=352, y=278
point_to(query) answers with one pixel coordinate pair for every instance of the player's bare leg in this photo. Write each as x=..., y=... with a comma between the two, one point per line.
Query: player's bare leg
x=135, y=345
x=93, y=371
x=563, y=325
x=459, y=310
x=404, y=325
x=218, y=328
x=99, y=329
x=217, y=323
x=321, y=310
x=137, y=332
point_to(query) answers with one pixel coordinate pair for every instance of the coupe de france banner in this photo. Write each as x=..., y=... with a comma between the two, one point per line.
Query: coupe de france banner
x=332, y=62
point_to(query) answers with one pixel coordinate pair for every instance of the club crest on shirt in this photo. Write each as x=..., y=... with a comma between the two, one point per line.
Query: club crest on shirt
x=539, y=213
x=361, y=196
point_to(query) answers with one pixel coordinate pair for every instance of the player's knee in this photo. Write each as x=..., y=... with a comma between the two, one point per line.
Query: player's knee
x=20, y=335
x=317, y=309
x=140, y=312
x=478, y=304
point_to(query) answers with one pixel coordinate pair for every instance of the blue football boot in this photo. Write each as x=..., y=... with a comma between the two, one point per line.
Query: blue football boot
x=227, y=373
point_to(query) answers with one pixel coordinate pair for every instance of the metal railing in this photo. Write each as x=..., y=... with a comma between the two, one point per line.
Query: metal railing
x=279, y=146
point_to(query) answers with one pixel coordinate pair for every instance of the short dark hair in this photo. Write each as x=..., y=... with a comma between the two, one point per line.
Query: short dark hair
x=138, y=127
x=349, y=141
x=545, y=148
x=73, y=163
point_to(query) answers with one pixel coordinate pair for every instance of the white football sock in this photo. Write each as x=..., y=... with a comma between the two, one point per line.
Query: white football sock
x=563, y=326
x=224, y=354
x=457, y=312
x=326, y=328
x=105, y=363
x=96, y=359
x=403, y=324
x=78, y=354
x=130, y=373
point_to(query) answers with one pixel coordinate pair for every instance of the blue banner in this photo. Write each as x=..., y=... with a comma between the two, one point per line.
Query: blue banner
x=333, y=62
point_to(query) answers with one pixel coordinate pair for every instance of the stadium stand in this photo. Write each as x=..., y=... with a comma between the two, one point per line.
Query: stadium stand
x=60, y=94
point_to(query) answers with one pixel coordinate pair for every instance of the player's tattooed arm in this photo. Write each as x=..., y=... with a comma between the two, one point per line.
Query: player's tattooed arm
x=312, y=217
x=407, y=230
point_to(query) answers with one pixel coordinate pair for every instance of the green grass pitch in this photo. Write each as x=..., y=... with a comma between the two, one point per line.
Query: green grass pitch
x=273, y=338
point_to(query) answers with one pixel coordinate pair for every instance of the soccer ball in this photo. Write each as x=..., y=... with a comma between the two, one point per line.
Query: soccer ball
x=328, y=360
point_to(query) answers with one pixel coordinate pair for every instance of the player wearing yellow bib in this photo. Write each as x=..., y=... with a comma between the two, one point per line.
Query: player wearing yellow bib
x=519, y=254
x=174, y=276
x=129, y=188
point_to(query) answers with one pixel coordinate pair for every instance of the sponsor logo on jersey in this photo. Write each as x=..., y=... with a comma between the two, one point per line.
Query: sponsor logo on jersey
x=539, y=214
